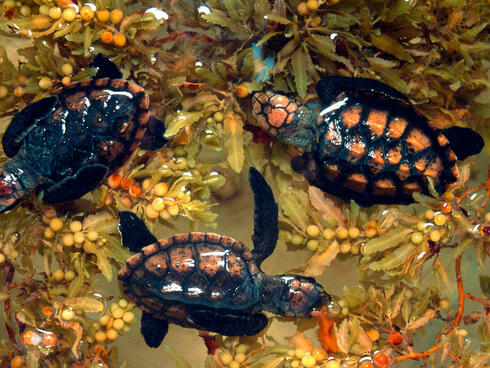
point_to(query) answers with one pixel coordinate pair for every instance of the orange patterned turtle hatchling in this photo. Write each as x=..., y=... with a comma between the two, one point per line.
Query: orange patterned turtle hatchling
x=65, y=144
x=367, y=143
x=212, y=282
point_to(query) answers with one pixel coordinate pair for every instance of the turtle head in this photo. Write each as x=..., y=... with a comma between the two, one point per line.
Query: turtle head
x=284, y=116
x=295, y=296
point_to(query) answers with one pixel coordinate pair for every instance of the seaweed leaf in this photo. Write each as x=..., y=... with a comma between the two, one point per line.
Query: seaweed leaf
x=391, y=46
x=293, y=207
x=389, y=240
x=299, y=67
x=176, y=357
x=395, y=259
x=181, y=120
x=317, y=263
x=233, y=127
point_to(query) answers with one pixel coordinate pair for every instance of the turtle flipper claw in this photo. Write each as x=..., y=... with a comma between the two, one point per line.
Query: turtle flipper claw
x=153, y=330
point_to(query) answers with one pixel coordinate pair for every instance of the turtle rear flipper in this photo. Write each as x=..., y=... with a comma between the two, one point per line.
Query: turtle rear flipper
x=328, y=88
x=73, y=187
x=135, y=235
x=265, y=218
x=25, y=121
x=153, y=330
x=464, y=142
x=228, y=323
x=105, y=68
x=153, y=138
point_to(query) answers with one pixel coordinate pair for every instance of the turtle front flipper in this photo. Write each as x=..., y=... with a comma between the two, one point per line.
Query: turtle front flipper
x=153, y=330
x=73, y=187
x=328, y=88
x=265, y=218
x=135, y=235
x=105, y=68
x=25, y=121
x=154, y=135
x=228, y=323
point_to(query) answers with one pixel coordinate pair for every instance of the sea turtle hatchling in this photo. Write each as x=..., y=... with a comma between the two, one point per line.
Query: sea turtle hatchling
x=65, y=144
x=368, y=143
x=209, y=281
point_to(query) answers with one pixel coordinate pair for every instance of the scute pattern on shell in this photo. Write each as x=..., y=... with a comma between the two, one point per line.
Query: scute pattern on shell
x=381, y=149
x=186, y=270
x=99, y=121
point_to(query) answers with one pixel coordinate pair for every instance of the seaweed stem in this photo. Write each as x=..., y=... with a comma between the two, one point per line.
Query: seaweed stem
x=484, y=185
x=6, y=305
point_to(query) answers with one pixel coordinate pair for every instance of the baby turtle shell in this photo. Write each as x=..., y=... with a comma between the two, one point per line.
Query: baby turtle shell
x=209, y=281
x=64, y=144
x=367, y=143
x=167, y=278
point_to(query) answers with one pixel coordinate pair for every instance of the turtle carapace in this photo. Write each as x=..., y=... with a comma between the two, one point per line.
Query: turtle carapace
x=65, y=144
x=367, y=143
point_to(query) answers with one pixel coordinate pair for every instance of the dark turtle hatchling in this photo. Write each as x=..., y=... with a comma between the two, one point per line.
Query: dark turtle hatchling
x=212, y=282
x=65, y=144
x=368, y=143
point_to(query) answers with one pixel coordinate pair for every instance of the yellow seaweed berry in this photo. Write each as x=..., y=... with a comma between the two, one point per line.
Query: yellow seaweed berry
x=308, y=361
x=100, y=336
x=319, y=355
x=2, y=258
x=444, y=304
x=70, y=275
x=45, y=83
x=243, y=90
x=225, y=357
x=332, y=364
x=118, y=324
x=312, y=245
x=67, y=69
x=117, y=312
x=128, y=317
x=173, y=210
x=123, y=303
x=106, y=37
x=158, y=204
x=241, y=348
x=112, y=334
x=119, y=39
x=342, y=233
x=312, y=5
x=56, y=224
x=86, y=13
x=92, y=235
x=17, y=362
x=240, y=357
x=68, y=240
x=78, y=237
x=416, y=237
x=354, y=232
x=440, y=219
x=48, y=233
x=58, y=275
x=75, y=226
x=116, y=16
x=67, y=314
x=103, y=15
x=328, y=234
x=435, y=235
x=54, y=12
x=234, y=364
x=150, y=212
x=3, y=91
x=44, y=9
x=303, y=9
x=66, y=81
x=69, y=14
x=429, y=215
x=160, y=189
x=313, y=231
x=297, y=239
